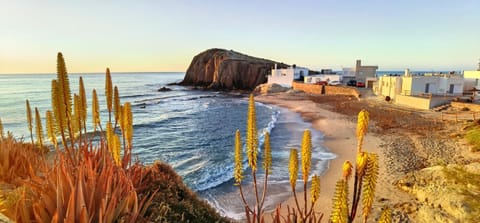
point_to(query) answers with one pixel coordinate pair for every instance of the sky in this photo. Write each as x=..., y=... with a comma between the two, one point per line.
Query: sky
x=157, y=35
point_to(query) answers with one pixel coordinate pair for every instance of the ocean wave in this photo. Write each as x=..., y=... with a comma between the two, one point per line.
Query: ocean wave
x=225, y=174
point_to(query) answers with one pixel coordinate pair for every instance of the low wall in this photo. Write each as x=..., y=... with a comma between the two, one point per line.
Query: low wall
x=470, y=106
x=421, y=102
x=341, y=90
x=327, y=90
x=414, y=102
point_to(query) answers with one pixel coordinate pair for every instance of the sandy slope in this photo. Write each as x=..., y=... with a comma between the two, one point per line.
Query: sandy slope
x=340, y=138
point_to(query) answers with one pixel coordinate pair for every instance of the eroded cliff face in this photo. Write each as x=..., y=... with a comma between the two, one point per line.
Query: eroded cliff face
x=228, y=70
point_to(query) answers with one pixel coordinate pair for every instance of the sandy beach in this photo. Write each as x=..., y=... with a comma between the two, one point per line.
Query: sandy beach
x=339, y=131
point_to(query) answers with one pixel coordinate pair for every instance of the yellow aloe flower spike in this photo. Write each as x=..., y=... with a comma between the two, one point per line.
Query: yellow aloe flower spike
x=109, y=92
x=340, y=203
x=362, y=127
x=2, y=135
x=293, y=167
x=252, y=138
x=369, y=183
x=306, y=154
x=29, y=119
x=361, y=163
x=238, y=172
x=347, y=170
x=116, y=104
x=38, y=128
x=315, y=188
x=95, y=110
x=128, y=123
x=51, y=133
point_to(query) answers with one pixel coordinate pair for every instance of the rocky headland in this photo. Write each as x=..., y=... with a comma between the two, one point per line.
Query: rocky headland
x=222, y=69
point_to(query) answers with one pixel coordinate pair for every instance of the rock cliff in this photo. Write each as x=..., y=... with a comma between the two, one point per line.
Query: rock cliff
x=227, y=70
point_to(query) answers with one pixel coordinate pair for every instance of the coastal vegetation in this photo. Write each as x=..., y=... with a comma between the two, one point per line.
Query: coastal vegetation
x=88, y=177
x=365, y=178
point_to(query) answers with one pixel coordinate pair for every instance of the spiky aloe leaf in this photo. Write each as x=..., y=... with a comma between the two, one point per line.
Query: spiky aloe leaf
x=362, y=127
x=315, y=189
x=369, y=183
x=238, y=171
x=116, y=104
x=306, y=154
x=29, y=119
x=293, y=167
x=340, y=203
x=128, y=123
x=386, y=216
x=38, y=128
x=252, y=137
x=267, y=153
x=95, y=110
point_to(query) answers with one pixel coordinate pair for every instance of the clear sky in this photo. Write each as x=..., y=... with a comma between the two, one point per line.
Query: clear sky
x=156, y=35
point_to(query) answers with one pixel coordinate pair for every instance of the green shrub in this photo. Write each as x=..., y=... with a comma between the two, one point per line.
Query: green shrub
x=473, y=137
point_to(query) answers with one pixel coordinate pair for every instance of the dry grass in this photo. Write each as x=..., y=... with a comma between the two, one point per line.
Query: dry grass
x=386, y=116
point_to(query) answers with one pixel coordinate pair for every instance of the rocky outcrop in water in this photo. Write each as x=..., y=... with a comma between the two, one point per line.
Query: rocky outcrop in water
x=228, y=70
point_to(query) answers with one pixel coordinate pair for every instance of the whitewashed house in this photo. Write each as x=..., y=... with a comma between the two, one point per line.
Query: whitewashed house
x=422, y=92
x=440, y=85
x=286, y=76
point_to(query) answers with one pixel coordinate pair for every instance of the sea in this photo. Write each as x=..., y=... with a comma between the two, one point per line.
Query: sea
x=192, y=130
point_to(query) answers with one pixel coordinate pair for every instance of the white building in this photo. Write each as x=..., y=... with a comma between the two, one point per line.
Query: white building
x=348, y=74
x=312, y=79
x=444, y=85
x=286, y=76
x=472, y=78
x=422, y=92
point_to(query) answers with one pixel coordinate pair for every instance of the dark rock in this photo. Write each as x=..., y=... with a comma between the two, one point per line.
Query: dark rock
x=164, y=89
x=226, y=70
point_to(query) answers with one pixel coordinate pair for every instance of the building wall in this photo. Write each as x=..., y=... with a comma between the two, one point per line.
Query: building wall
x=446, y=83
x=389, y=86
x=472, y=80
x=282, y=77
x=328, y=90
x=420, y=102
x=324, y=77
x=436, y=85
x=285, y=77
x=417, y=85
x=363, y=72
x=413, y=102
x=472, y=74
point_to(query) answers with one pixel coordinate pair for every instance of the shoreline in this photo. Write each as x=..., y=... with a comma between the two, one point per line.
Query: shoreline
x=339, y=138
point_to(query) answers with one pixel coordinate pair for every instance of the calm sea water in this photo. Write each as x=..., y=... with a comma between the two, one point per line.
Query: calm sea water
x=192, y=130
